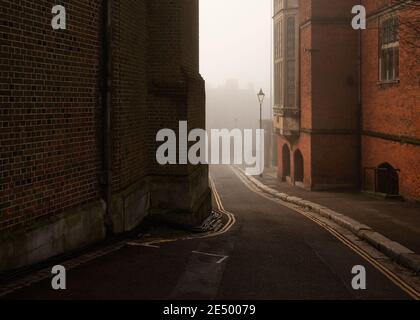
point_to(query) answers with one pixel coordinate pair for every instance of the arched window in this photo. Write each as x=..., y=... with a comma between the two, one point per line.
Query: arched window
x=299, y=166
x=286, y=161
x=388, y=180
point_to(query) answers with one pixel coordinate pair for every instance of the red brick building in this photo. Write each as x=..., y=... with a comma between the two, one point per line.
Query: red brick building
x=391, y=98
x=80, y=109
x=341, y=121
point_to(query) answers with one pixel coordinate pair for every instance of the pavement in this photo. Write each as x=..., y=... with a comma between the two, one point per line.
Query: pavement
x=267, y=251
x=393, y=224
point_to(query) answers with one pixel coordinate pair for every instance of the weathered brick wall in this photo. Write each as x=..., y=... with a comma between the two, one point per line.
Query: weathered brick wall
x=392, y=110
x=52, y=121
x=129, y=121
x=176, y=93
x=176, y=89
x=50, y=110
x=51, y=127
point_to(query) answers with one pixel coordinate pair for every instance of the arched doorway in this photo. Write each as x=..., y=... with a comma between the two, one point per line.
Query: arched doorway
x=299, y=166
x=286, y=161
x=388, y=180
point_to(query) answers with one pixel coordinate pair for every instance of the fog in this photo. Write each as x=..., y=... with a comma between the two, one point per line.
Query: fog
x=235, y=55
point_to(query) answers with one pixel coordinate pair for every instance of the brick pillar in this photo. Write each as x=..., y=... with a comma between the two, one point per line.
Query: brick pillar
x=330, y=108
x=176, y=93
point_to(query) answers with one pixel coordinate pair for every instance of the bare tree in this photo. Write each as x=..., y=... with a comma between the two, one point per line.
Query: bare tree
x=409, y=22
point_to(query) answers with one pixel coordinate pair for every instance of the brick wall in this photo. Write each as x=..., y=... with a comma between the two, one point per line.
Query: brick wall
x=383, y=107
x=176, y=90
x=50, y=110
x=329, y=107
x=129, y=122
x=176, y=93
x=334, y=91
x=51, y=127
x=332, y=11
x=330, y=114
x=304, y=145
x=335, y=159
x=305, y=78
x=391, y=112
x=404, y=157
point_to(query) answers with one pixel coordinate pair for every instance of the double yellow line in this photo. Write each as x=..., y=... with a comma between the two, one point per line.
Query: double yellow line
x=221, y=208
x=229, y=224
x=412, y=292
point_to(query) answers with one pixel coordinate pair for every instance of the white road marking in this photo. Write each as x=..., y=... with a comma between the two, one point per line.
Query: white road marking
x=223, y=258
x=135, y=244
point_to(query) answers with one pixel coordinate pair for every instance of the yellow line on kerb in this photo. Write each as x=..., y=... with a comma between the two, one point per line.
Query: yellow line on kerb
x=412, y=292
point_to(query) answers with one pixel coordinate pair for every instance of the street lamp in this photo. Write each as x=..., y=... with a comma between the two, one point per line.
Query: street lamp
x=261, y=97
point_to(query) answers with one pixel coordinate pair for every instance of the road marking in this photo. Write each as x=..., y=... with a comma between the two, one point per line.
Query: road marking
x=136, y=244
x=223, y=258
x=227, y=227
x=76, y=262
x=394, y=278
x=231, y=217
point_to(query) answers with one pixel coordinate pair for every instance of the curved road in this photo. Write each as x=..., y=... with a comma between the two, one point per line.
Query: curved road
x=271, y=252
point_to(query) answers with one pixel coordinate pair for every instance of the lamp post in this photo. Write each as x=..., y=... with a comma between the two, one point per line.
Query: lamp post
x=261, y=97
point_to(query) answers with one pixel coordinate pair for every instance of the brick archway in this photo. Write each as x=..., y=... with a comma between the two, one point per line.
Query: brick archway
x=286, y=161
x=388, y=180
x=299, y=167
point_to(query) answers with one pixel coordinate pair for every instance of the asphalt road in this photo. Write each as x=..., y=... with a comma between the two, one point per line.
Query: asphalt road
x=271, y=252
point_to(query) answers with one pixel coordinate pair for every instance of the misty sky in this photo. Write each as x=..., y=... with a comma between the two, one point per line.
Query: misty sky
x=235, y=42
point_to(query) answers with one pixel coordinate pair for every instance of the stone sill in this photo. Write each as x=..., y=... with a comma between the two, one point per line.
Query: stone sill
x=383, y=84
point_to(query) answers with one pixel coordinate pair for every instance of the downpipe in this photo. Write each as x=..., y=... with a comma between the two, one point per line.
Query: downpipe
x=106, y=85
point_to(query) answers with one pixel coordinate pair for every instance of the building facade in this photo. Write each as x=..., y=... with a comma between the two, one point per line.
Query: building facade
x=80, y=110
x=316, y=111
x=347, y=104
x=391, y=98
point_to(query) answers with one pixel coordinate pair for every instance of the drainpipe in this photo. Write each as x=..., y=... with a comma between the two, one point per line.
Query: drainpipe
x=360, y=110
x=105, y=83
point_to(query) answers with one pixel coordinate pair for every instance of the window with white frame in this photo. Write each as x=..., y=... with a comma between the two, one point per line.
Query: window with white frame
x=389, y=51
